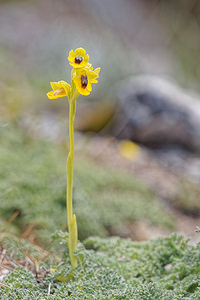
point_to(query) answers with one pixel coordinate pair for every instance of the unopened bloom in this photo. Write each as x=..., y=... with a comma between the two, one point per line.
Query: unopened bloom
x=78, y=58
x=59, y=89
x=83, y=79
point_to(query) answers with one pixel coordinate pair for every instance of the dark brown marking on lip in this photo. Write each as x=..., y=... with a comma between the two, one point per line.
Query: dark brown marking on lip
x=84, y=81
x=78, y=59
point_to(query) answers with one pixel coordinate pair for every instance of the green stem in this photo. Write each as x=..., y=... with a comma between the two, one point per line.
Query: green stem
x=72, y=226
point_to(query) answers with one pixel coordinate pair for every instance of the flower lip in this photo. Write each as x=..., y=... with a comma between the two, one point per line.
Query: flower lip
x=84, y=81
x=78, y=59
x=83, y=77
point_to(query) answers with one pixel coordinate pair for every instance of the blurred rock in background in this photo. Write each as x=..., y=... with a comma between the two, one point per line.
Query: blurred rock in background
x=156, y=113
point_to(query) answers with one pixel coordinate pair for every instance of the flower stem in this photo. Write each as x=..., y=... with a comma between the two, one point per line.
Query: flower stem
x=71, y=218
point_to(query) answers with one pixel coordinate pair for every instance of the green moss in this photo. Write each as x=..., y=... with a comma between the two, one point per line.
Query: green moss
x=116, y=198
x=32, y=182
x=165, y=268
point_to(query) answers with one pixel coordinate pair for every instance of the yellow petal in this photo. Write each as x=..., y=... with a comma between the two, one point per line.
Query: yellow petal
x=79, y=52
x=71, y=53
x=85, y=92
x=93, y=74
x=93, y=81
x=65, y=86
x=89, y=67
x=77, y=82
x=50, y=95
x=56, y=94
x=71, y=58
x=59, y=89
x=55, y=85
x=89, y=87
x=97, y=70
x=87, y=58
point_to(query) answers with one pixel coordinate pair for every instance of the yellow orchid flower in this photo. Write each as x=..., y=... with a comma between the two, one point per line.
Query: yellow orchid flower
x=59, y=89
x=78, y=58
x=82, y=76
x=83, y=79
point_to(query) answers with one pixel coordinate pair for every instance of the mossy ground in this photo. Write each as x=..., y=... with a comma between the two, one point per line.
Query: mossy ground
x=33, y=183
x=113, y=268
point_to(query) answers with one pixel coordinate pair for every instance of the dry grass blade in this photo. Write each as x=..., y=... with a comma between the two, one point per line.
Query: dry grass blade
x=2, y=256
x=49, y=289
x=10, y=221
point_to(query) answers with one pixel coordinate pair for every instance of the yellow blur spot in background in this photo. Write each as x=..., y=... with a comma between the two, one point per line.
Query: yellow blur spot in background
x=129, y=150
x=52, y=270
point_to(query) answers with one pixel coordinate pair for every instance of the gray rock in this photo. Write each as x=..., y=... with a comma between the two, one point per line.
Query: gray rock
x=155, y=113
